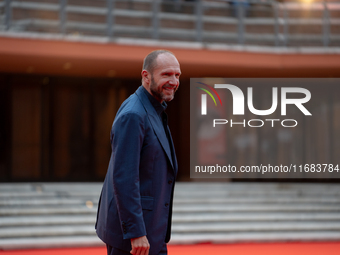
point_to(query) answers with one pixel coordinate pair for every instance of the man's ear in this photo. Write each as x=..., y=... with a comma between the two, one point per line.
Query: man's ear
x=146, y=76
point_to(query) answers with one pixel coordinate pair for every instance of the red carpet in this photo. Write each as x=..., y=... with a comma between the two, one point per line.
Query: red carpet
x=315, y=248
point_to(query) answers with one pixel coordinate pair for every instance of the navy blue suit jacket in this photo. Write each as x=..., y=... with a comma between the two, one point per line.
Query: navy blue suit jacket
x=136, y=198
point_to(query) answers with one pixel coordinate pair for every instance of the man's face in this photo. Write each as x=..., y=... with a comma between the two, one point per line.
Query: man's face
x=165, y=77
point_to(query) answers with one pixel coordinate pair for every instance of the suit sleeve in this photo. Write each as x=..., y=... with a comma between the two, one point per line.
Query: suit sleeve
x=126, y=140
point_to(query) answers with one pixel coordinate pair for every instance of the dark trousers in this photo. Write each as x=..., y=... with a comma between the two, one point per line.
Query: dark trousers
x=115, y=251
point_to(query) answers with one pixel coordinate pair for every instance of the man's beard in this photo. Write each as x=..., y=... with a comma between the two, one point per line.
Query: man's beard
x=158, y=91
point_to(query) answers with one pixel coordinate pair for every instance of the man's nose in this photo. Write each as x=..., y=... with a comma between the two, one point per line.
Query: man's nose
x=173, y=80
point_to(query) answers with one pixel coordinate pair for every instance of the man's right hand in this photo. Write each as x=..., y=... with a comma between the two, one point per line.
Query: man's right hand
x=140, y=246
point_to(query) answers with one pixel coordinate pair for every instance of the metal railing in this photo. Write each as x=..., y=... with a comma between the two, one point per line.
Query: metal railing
x=240, y=22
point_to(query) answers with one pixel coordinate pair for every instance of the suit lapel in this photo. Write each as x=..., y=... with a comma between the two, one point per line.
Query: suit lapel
x=157, y=125
x=174, y=159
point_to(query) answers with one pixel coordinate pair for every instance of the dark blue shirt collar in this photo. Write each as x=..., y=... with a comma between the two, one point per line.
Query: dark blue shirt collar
x=159, y=107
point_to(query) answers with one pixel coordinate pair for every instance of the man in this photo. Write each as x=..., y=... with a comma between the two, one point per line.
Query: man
x=135, y=206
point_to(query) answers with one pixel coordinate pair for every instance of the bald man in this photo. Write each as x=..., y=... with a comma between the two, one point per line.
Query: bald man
x=135, y=206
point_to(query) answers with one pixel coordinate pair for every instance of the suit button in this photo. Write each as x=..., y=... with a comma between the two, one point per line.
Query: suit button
x=166, y=204
x=170, y=181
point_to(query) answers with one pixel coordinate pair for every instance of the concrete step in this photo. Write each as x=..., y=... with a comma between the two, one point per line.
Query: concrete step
x=187, y=228
x=51, y=188
x=39, y=215
x=255, y=193
x=259, y=199
x=194, y=190
x=255, y=208
x=208, y=227
x=76, y=210
x=254, y=217
x=194, y=208
x=47, y=220
x=43, y=231
x=17, y=187
x=87, y=241
x=51, y=220
x=72, y=200
x=179, y=218
x=43, y=202
x=224, y=189
x=254, y=237
x=49, y=242
x=49, y=194
x=182, y=189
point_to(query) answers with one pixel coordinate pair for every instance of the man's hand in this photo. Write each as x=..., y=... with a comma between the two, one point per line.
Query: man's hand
x=140, y=246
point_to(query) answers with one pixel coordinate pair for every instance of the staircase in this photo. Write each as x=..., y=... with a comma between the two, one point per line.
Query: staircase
x=48, y=215
x=215, y=212
x=2, y=22
x=41, y=215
